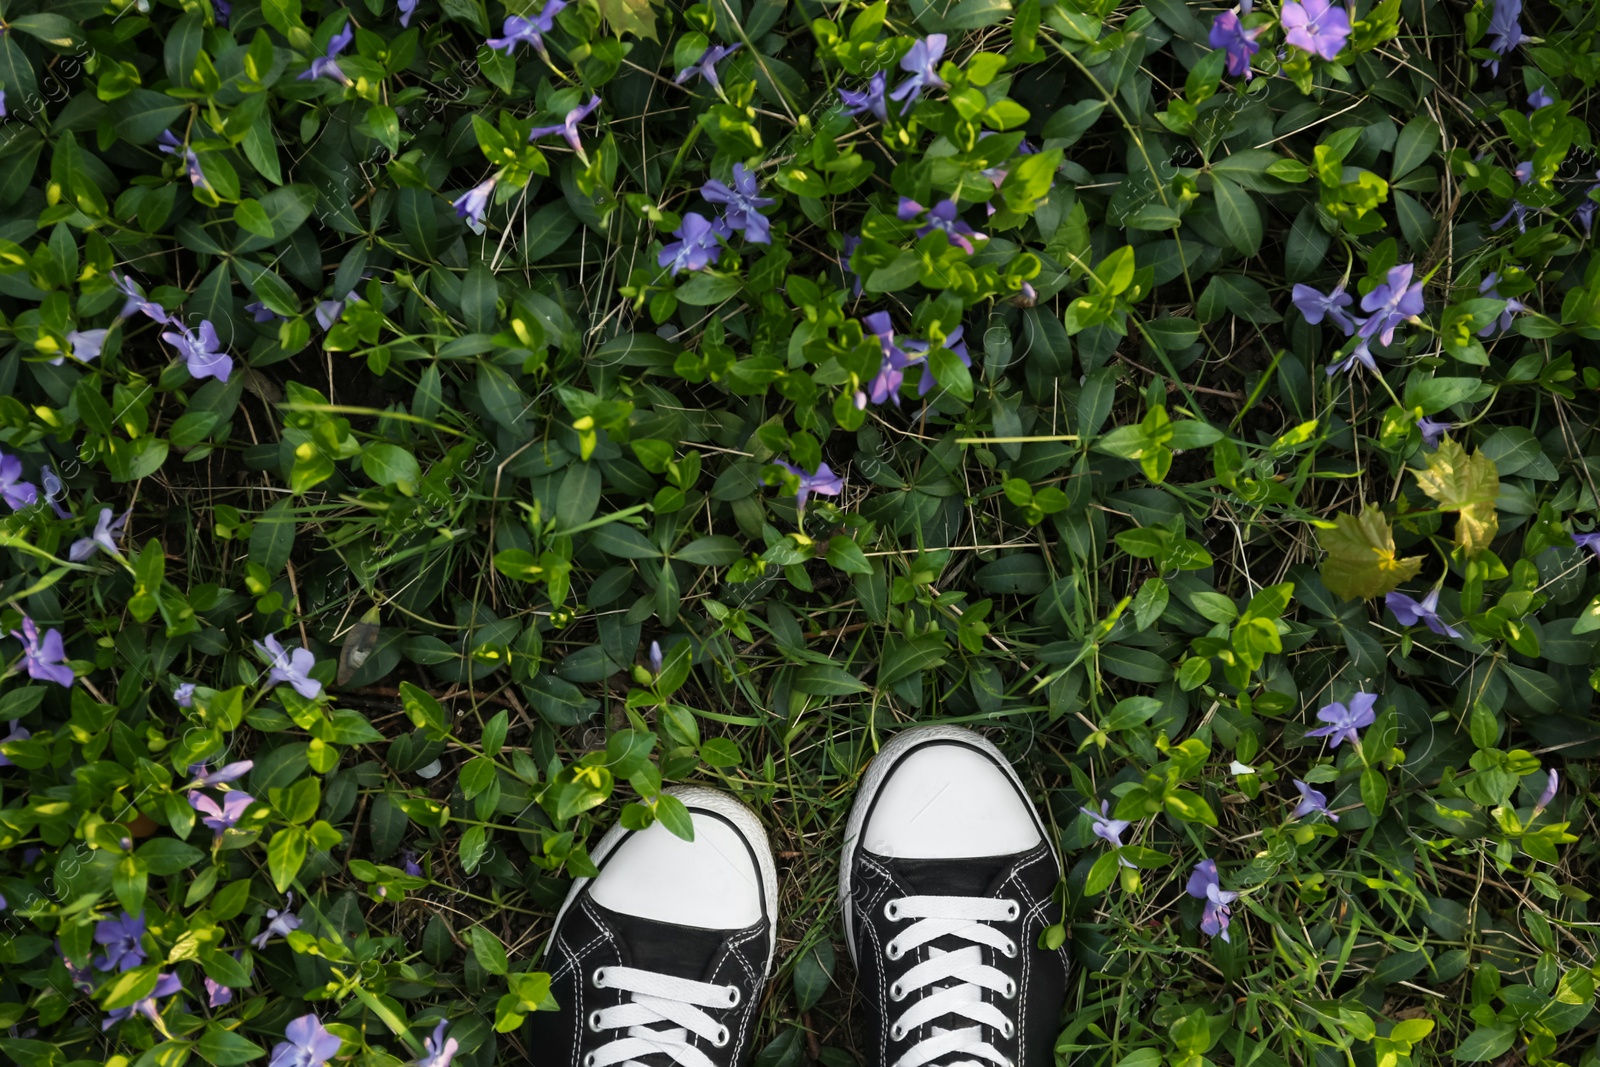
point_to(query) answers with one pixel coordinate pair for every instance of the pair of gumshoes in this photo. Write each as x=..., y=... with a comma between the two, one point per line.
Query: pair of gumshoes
x=946, y=883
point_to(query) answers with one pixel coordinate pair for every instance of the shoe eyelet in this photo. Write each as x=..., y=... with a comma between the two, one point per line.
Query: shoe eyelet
x=893, y=951
x=588, y=1061
x=897, y=992
x=1008, y=1030
x=891, y=911
x=1010, y=950
x=724, y=1035
x=1012, y=911
x=734, y=996
x=599, y=978
x=1010, y=991
x=594, y=1021
x=897, y=1032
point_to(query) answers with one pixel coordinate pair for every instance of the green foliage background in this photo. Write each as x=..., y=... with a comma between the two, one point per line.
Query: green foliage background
x=1140, y=542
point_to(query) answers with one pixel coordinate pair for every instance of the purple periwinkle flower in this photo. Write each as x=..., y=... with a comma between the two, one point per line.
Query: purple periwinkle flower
x=1315, y=306
x=228, y=772
x=1360, y=354
x=44, y=658
x=184, y=697
x=54, y=491
x=517, y=29
x=1317, y=26
x=472, y=204
x=922, y=63
x=224, y=816
x=1228, y=33
x=327, y=65
x=1501, y=324
x=1518, y=210
x=137, y=301
x=166, y=986
x=953, y=342
x=279, y=924
x=168, y=142
x=741, y=204
x=656, y=660
x=1433, y=430
x=1392, y=302
x=261, y=313
x=17, y=493
x=1539, y=98
x=106, y=531
x=201, y=350
x=696, y=248
x=1205, y=885
x=222, y=11
x=1591, y=541
x=1505, y=31
x=1410, y=611
x=217, y=994
x=84, y=344
x=1312, y=802
x=944, y=217
x=568, y=126
x=885, y=385
x=407, y=8
x=439, y=1050
x=1344, y=720
x=851, y=243
x=309, y=1044
x=1551, y=785
x=18, y=732
x=706, y=65
x=122, y=938
x=408, y=863
x=2, y=103
x=870, y=99
x=824, y=482
x=294, y=668
x=1106, y=828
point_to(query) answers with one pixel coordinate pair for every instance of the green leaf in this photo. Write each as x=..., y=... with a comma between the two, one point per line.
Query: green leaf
x=721, y=752
x=389, y=464
x=826, y=681
x=716, y=550
x=478, y=296
x=286, y=854
x=223, y=1048
x=1486, y=1043
x=488, y=950
x=165, y=855
x=1240, y=218
x=54, y=30
x=1417, y=141
x=272, y=536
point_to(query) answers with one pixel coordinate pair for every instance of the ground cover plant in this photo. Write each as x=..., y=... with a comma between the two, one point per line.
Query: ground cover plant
x=427, y=430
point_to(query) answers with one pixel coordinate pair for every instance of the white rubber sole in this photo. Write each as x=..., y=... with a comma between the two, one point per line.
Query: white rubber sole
x=878, y=771
x=716, y=802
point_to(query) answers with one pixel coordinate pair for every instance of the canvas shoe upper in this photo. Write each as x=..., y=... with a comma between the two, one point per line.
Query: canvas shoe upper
x=947, y=882
x=662, y=958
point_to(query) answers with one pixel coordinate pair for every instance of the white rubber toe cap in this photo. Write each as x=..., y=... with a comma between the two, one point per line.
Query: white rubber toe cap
x=713, y=882
x=947, y=800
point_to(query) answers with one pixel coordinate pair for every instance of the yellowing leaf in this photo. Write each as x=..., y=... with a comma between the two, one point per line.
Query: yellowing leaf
x=630, y=16
x=1466, y=485
x=1361, y=556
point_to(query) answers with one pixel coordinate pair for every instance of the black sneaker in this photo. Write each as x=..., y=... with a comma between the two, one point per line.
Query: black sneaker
x=662, y=958
x=947, y=880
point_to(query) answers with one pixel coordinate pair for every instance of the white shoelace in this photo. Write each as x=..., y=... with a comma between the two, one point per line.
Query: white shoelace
x=966, y=918
x=658, y=998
